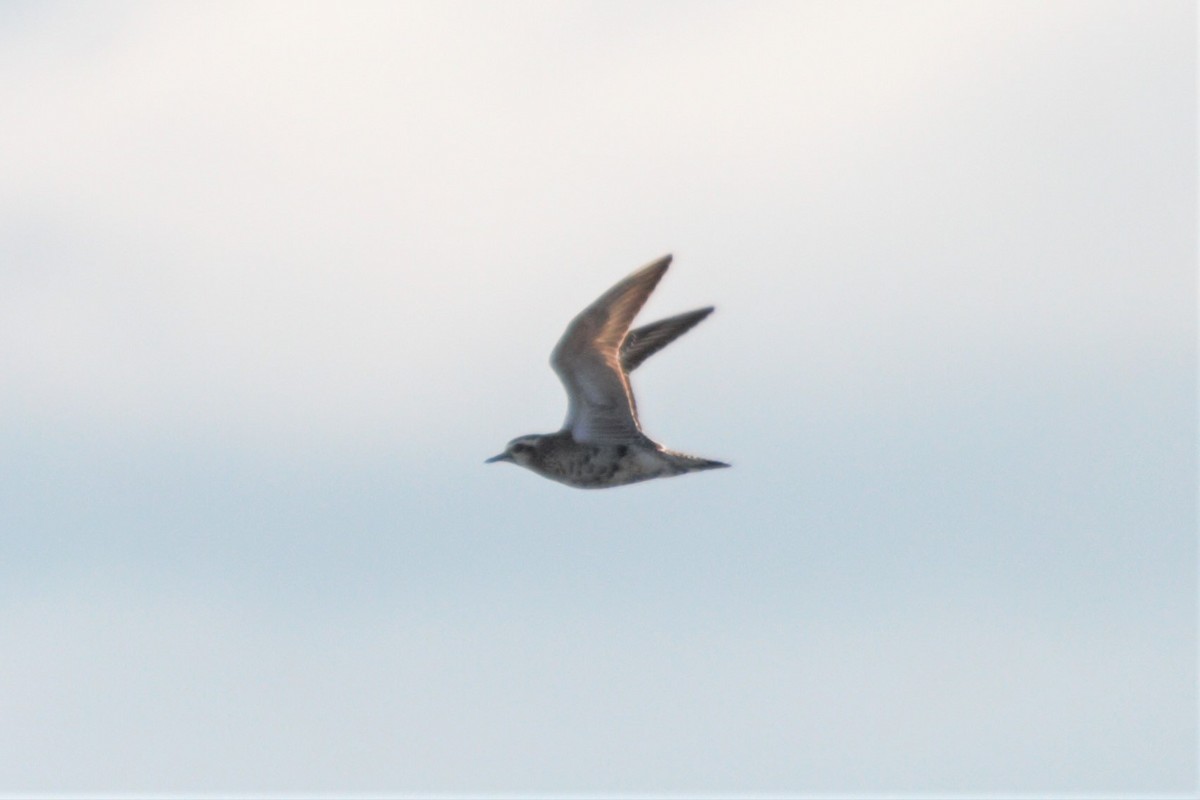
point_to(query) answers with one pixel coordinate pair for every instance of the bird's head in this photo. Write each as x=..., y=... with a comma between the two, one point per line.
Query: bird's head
x=519, y=451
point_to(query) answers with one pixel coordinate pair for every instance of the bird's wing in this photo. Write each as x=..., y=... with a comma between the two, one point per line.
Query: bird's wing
x=643, y=342
x=600, y=404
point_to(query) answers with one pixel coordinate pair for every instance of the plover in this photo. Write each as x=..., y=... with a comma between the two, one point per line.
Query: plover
x=601, y=443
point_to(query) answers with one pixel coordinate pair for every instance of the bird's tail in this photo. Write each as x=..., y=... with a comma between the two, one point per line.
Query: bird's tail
x=687, y=463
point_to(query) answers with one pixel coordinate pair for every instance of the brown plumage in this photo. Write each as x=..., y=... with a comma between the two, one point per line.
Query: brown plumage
x=601, y=443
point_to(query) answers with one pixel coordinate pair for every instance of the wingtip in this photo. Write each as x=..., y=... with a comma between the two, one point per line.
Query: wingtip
x=652, y=271
x=649, y=275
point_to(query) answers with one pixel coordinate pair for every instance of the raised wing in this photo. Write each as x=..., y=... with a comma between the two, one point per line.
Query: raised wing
x=600, y=404
x=643, y=342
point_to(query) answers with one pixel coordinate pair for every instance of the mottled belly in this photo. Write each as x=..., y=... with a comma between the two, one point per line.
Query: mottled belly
x=602, y=467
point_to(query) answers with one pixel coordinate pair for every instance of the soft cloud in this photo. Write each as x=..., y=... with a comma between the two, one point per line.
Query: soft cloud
x=273, y=216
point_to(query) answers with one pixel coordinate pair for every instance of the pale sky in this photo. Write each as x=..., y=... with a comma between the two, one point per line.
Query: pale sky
x=275, y=278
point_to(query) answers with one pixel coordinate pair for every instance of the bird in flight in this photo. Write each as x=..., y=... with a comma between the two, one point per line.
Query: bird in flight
x=601, y=443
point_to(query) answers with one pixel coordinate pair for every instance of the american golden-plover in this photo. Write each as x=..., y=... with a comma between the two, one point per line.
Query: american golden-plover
x=601, y=443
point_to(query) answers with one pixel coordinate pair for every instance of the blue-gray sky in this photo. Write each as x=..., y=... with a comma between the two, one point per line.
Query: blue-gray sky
x=275, y=278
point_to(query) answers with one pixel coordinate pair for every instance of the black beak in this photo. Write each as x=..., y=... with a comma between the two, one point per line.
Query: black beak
x=501, y=457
